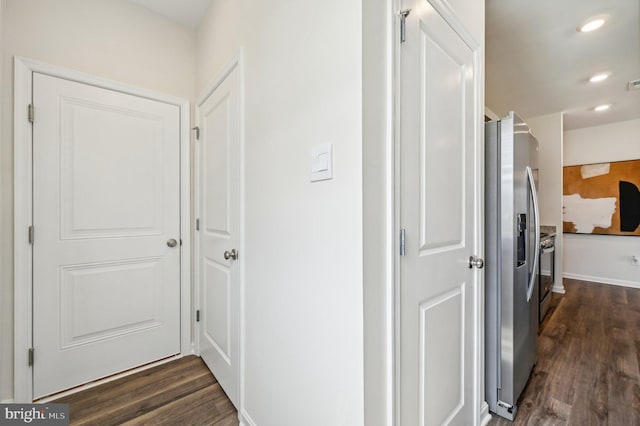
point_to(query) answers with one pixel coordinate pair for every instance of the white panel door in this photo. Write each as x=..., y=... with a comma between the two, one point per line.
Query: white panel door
x=219, y=201
x=106, y=200
x=437, y=197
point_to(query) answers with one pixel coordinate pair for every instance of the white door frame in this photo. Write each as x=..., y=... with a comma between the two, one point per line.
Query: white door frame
x=23, y=209
x=236, y=62
x=444, y=8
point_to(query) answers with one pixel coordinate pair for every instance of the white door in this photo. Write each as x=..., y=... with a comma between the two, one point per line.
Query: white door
x=218, y=218
x=438, y=168
x=106, y=207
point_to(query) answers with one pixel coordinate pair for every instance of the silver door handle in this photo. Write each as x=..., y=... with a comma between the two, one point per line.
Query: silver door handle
x=478, y=262
x=233, y=254
x=172, y=242
x=536, y=246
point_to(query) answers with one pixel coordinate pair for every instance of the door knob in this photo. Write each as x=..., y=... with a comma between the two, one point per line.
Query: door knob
x=172, y=242
x=476, y=261
x=233, y=254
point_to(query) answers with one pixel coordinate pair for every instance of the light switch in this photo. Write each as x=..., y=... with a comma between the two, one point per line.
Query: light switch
x=321, y=162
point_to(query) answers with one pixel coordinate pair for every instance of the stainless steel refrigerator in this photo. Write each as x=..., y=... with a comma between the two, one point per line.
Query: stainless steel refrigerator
x=512, y=253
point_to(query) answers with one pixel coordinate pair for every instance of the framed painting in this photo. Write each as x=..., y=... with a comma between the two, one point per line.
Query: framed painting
x=602, y=198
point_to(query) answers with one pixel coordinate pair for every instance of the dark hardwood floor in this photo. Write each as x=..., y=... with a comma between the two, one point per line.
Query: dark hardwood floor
x=182, y=392
x=588, y=361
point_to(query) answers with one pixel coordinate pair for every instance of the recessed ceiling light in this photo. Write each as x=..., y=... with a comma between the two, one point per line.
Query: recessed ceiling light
x=599, y=77
x=601, y=108
x=591, y=25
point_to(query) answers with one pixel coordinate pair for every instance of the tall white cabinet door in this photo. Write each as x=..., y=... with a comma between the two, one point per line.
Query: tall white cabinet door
x=219, y=232
x=106, y=200
x=438, y=160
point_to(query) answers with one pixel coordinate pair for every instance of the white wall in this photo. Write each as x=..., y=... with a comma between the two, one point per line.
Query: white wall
x=219, y=40
x=113, y=39
x=303, y=310
x=471, y=14
x=548, y=131
x=602, y=258
x=303, y=257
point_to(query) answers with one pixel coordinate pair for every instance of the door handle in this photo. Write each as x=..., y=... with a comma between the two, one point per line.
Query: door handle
x=478, y=262
x=233, y=254
x=172, y=242
x=536, y=247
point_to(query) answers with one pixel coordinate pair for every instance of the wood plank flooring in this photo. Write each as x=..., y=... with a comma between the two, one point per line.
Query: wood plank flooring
x=588, y=361
x=182, y=392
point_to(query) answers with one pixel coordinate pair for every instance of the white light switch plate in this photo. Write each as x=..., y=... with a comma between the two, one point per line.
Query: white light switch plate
x=321, y=162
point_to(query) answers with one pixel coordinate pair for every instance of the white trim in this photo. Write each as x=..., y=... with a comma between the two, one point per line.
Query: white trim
x=7, y=401
x=390, y=209
x=492, y=115
x=600, y=280
x=23, y=198
x=444, y=8
x=485, y=417
x=395, y=246
x=105, y=83
x=558, y=286
x=379, y=219
x=186, y=219
x=242, y=242
x=479, y=307
x=236, y=62
x=22, y=219
x=245, y=419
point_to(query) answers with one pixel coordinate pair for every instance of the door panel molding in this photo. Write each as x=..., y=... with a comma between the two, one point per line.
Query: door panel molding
x=79, y=330
x=453, y=301
x=23, y=208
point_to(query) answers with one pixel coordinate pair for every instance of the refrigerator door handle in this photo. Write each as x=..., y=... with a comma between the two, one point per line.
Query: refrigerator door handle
x=536, y=251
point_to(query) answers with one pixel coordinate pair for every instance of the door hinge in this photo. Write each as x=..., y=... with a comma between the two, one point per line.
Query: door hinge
x=197, y=129
x=198, y=315
x=31, y=235
x=403, y=24
x=31, y=357
x=30, y=113
x=197, y=224
x=402, y=247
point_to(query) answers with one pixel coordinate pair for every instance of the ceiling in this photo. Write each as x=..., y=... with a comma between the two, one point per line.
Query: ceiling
x=186, y=12
x=537, y=63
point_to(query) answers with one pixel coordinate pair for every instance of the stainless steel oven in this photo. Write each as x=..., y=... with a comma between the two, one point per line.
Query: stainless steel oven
x=546, y=272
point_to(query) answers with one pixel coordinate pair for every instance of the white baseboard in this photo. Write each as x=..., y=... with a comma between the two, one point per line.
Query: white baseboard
x=7, y=401
x=485, y=417
x=558, y=289
x=602, y=280
x=245, y=419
